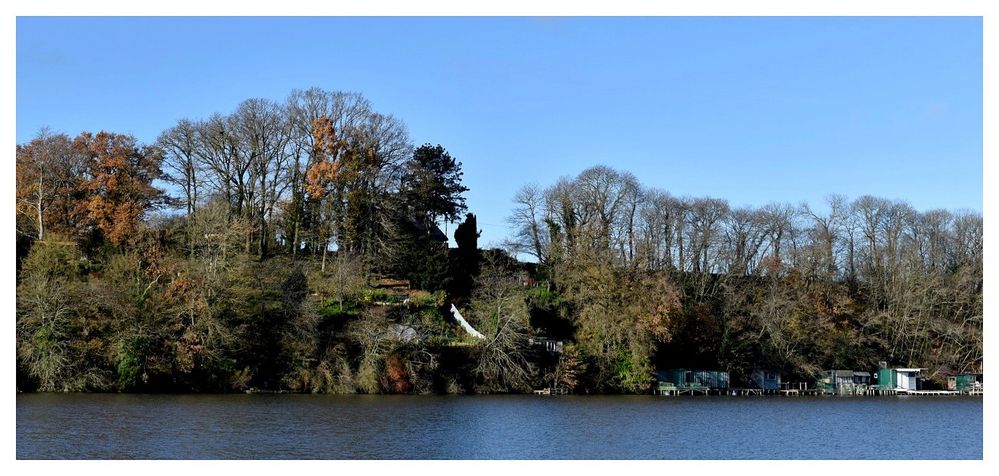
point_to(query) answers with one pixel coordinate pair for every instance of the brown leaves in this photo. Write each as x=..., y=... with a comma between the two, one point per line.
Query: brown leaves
x=657, y=300
x=50, y=177
x=102, y=181
x=120, y=182
x=318, y=178
x=398, y=376
x=326, y=151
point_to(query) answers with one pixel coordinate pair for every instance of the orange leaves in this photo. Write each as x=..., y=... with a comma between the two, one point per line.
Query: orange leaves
x=323, y=135
x=318, y=178
x=398, y=377
x=178, y=288
x=326, y=151
x=49, y=184
x=120, y=183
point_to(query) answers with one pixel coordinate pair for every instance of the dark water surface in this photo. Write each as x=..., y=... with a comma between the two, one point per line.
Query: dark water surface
x=96, y=426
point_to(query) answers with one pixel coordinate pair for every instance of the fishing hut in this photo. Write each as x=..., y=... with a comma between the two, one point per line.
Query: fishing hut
x=768, y=381
x=907, y=379
x=896, y=381
x=844, y=382
x=968, y=384
x=549, y=345
x=691, y=382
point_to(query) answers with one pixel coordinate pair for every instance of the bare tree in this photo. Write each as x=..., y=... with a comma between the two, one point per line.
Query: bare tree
x=180, y=162
x=744, y=236
x=528, y=223
x=262, y=133
x=500, y=312
x=779, y=219
x=706, y=215
x=50, y=174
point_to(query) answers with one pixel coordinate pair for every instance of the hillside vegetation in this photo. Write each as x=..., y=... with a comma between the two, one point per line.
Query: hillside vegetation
x=295, y=247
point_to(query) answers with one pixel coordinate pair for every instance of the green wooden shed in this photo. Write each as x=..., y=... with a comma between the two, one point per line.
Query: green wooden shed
x=965, y=382
x=692, y=379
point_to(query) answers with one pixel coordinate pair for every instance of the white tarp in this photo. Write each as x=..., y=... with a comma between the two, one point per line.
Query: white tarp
x=402, y=333
x=464, y=324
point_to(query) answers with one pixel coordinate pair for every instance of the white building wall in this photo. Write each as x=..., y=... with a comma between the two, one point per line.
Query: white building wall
x=906, y=380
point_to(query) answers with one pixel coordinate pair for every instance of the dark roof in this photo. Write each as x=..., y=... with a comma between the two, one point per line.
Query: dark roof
x=839, y=373
x=434, y=231
x=437, y=235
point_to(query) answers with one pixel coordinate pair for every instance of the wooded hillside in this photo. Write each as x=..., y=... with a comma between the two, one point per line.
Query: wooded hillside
x=296, y=246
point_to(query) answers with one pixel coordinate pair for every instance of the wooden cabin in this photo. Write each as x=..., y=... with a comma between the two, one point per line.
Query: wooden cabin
x=907, y=379
x=765, y=379
x=862, y=378
x=843, y=382
x=693, y=379
x=713, y=379
x=550, y=345
x=898, y=378
x=886, y=378
x=966, y=382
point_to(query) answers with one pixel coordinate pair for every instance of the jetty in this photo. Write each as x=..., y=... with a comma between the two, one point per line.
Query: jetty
x=552, y=391
x=885, y=382
x=691, y=382
x=797, y=389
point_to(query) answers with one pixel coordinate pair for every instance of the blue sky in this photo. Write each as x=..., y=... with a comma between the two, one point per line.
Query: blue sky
x=753, y=110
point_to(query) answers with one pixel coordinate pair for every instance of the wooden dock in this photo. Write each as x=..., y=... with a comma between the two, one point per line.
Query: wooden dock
x=796, y=389
x=927, y=392
x=741, y=392
x=552, y=391
x=797, y=392
x=675, y=391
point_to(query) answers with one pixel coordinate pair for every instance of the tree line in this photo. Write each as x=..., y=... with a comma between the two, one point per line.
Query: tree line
x=784, y=286
x=253, y=250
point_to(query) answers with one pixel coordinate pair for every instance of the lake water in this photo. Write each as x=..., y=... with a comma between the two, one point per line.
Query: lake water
x=102, y=426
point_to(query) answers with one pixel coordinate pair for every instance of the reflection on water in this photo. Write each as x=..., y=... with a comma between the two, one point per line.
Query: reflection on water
x=97, y=426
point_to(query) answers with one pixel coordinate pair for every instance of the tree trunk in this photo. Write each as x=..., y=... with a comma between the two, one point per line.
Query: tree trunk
x=294, y=240
x=41, y=223
x=326, y=246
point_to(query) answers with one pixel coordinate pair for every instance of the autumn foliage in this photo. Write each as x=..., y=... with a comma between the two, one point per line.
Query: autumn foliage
x=120, y=186
x=326, y=149
x=101, y=182
x=398, y=377
x=286, y=214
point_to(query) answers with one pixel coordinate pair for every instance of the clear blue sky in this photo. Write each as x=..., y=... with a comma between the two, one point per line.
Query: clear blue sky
x=753, y=110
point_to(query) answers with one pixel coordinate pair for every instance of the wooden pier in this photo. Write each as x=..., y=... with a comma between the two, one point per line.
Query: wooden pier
x=747, y=391
x=796, y=392
x=875, y=391
x=552, y=391
x=739, y=392
x=794, y=389
x=797, y=389
x=927, y=392
x=675, y=391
